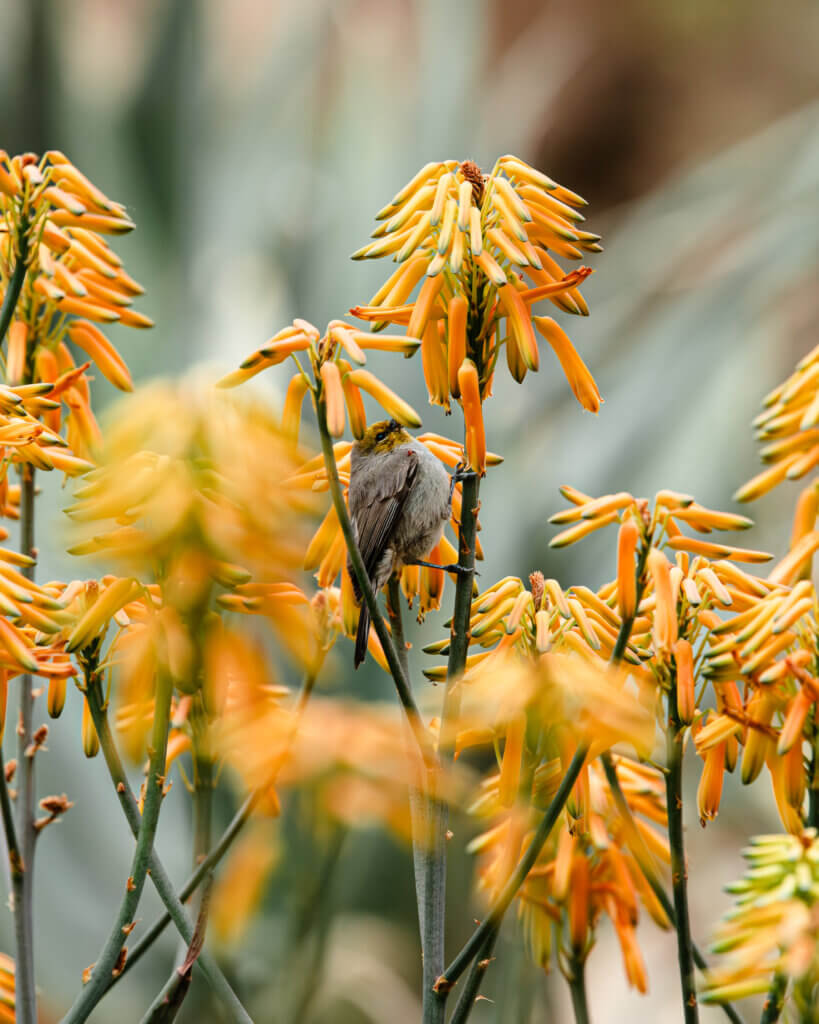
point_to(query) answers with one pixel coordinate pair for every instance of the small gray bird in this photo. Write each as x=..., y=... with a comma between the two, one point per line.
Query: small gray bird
x=400, y=499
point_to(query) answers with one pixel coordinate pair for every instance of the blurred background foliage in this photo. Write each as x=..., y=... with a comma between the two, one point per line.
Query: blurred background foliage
x=252, y=141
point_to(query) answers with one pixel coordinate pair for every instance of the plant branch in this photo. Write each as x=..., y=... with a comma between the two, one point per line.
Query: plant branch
x=775, y=1000
x=23, y=879
x=577, y=986
x=424, y=810
x=813, y=782
x=399, y=676
x=474, y=979
x=176, y=911
x=435, y=895
x=485, y=934
x=491, y=923
x=15, y=863
x=111, y=953
x=646, y=864
x=679, y=873
x=15, y=286
x=159, y=875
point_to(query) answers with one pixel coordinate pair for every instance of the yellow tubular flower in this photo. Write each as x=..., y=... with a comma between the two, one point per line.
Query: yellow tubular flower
x=456, y=343
x=473, y=235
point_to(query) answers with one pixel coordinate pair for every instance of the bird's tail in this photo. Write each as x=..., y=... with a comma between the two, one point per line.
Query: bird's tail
x=362, y=634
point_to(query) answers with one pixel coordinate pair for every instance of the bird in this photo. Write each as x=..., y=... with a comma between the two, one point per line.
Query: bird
x=400, y=498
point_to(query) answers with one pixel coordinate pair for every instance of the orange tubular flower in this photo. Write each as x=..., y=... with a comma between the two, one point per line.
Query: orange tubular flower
x=627, y=539
x=684, y=660
x=333, y=395
x=473, y=416
x=473, y=236
x=456, y=348
x=75, y=280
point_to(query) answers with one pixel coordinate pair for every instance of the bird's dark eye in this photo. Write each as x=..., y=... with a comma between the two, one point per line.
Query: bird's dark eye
x=380, y=436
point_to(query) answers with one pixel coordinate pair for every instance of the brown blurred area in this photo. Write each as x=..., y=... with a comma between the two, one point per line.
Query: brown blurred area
x=658, y=85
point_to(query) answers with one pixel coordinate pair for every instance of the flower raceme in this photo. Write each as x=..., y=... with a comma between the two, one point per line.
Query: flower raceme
x=52, y=218
x=773, y=927
x=465, y=240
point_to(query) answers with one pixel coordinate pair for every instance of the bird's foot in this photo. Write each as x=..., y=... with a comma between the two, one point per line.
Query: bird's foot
x=460, y=473
x=461, y=570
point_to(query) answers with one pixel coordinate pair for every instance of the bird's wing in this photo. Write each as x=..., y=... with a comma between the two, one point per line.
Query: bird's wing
x=376, y=514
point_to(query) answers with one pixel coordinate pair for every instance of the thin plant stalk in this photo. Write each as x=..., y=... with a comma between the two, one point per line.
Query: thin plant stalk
x=491, y=923
x=474, y=980
x=425, y=811
x=435, y=894
x=775, y=1000
x=18, y=276
x=8, y=820
x=110, y=956
x=176, y=911
x=645, y=861
x=485, y=934
x=679, y=873
x=170, y=998
x=813, y=782
x=23, y=880
x=576, y=978
x=22, y=872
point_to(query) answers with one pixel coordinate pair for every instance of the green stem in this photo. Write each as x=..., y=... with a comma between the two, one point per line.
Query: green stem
x=176, y=911
x=491, y=923
x=154, y=786
x=474, y=979
x=435, y=909
x=18, y=276
x=8, y=822
x=679, y=873
x=425, y=811
x=646, y=865
x=813, y=783
x=159, y=875
x=577, y=987
x=399, y=676
x=169, y=1000
x=775, y=1001
x=23, y=879
x=487, y=930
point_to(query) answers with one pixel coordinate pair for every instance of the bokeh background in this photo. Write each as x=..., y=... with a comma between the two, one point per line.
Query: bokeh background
x=252, y=141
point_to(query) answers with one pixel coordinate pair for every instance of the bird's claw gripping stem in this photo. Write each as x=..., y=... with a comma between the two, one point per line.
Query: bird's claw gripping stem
x=461, y=570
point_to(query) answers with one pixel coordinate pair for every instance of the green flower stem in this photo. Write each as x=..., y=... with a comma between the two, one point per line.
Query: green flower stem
x=435, y=895
x=8, y=821
x=679, y=872
x=22, y=874
x=169, y=1000
x=399, y=676
x=577, y=987
x=15, y=286
x=23, y=880
x=425, y=810
x=646, y=864
x=155, y=782
x=159, y=875
x=474, y=979
x=775, y=1000
x=813, y=782
x=485, y=934
x=491, y=923
x=176, y=911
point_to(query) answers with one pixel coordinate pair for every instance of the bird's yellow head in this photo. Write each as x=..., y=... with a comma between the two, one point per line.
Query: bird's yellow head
x=382, y=437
